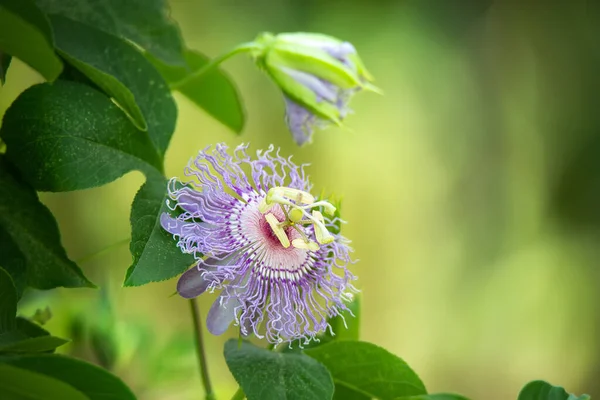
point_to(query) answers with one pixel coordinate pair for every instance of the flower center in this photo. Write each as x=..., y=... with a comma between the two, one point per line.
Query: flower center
x=295, y=205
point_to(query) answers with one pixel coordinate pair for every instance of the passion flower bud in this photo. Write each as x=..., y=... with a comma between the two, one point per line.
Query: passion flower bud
x=318, y=75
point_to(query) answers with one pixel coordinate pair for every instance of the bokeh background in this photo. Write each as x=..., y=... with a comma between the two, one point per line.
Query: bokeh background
x=472, y=191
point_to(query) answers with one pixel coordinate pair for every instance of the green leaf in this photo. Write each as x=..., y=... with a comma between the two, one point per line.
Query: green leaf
x=121, y=71
x=94, y=382
x=21, y=384
x=344, y=393
x=8, y=303
x=26, y=34
x=8, y=344
x=13, y=261
x=68, y=136
x=268, y=375
x=213, y=91
x=33, y=228
x=29, y=328
x=4, y=64
x=437, y=396
x=156, y=256
x=540, y=390
x=145, y=22
x=388, y=377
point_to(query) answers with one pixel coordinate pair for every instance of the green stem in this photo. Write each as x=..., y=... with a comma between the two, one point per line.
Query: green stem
x=102, y=251
x=242, y=48
x=239, y=395
x=209, y=394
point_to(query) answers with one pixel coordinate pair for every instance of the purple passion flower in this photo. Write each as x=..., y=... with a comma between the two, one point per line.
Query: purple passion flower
x=263, y=241
x=318, y=75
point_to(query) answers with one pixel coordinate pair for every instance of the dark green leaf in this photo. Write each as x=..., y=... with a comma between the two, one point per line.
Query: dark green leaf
x=8, y=344
x=4, y=64
x=94, y=382
x=29, y=328
x=68, y=136
x=33, y=228
x=13, y=261
x=268, y=375
x=156, y=256
x=388, y=377
x=121, y=71
x=540, y=390
x=344, y=393
x=145, y=22
x=8, y=303
x=26, y=34
x=21, y=384
x=437, y=396
x=213, y=91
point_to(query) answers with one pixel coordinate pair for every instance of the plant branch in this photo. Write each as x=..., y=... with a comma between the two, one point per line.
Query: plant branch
x=209, y=394
x=214, y=63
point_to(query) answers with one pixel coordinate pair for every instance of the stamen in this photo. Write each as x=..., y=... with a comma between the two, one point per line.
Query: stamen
x=263, y=207
x=295, y=215
x=299, y=196
x=305, y=245
x=277, y=230
x=321, y=233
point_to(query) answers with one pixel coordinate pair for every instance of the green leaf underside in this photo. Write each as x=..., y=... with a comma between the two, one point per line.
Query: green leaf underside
x=121, y=71
x=268, y=375
x=26, y=34
x=540, y=390
x=94, y=382
x=437, y=396
x=388, y=377
x=5, y=60
x=144, y=22
x=33, y=228
x=21, y=384
x=8, y=303
x=213, y=91
x=155, y=252
x=30, y=345
x=69, y=136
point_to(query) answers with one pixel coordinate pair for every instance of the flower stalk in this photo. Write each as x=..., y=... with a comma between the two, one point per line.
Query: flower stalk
x=202, y=363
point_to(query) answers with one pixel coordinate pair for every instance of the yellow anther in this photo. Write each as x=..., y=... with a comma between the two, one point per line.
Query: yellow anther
x=295, y=214
x=321, y=233
x=277, y=230
x=302, y=244
x=328, y=207
x=279, y=193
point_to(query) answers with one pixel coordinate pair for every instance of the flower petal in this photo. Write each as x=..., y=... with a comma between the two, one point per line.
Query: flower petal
x=300, y=121
x=221, y=316
x=171, y=225
x=193, y=282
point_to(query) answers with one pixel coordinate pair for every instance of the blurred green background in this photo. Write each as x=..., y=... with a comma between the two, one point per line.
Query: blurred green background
x=472, y=191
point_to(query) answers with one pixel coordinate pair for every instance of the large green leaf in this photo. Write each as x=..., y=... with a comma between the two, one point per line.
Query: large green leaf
x=213, y=91
x=540, y=390
x=156, y=256
x=145, y=22
x=69, y=136
x=120, y=70
x=94, y=382
x=268, y=375
x=437, y=396
x=8, y=303
x=33, y=229
x=21, y=384
x=26, y=34
x=368, y=369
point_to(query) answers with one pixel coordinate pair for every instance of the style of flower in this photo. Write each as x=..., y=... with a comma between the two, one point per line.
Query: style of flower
x=318, y=75
x=263, y=240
